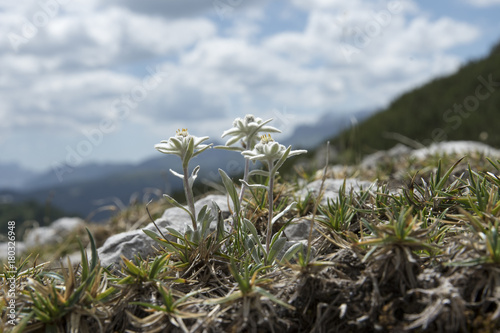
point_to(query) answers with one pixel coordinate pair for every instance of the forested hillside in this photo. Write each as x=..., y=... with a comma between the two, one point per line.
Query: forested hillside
x=462, y=106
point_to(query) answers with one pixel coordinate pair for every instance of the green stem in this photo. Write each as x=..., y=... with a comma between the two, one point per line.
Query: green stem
x=245, y=178
x=271, y=201
x=189, y=196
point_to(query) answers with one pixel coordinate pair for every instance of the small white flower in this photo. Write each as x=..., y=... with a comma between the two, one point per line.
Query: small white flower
x=247, y=129
x=270, y=151
x=274, y=155
x=183, y=145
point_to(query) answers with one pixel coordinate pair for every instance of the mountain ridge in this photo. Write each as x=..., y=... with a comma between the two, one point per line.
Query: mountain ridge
x=82, y=189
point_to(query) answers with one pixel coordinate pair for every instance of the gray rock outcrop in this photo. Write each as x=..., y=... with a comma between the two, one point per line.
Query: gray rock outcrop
x=456, y=147
x=54, y=233
x=332, y=187
x=41, y=236
x=299, y=230
x=398, y=151
x=136, y=242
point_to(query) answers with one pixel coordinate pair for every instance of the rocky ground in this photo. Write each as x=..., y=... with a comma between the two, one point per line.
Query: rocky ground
x=398, y=244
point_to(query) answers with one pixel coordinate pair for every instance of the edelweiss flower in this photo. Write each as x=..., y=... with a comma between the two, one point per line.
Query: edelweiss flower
x=246, y=129
x=183, y=145
x=270, y=151
x=274, y=155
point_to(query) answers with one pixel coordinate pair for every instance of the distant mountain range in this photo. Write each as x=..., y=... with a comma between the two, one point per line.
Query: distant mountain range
x=329, y=124
x=94, y=185
x=13, y=176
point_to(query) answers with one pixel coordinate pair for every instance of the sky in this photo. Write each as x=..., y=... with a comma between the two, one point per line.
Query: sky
x=104, y=81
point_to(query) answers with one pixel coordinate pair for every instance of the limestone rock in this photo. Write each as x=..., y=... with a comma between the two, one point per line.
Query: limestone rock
x=332, y=188
x=54, y=233
x=371, y=161
x=136, y=242
x=7, y=249
x=298, y=229
x=456, y=147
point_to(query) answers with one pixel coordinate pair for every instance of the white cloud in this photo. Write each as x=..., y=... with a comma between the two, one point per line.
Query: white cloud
x=427, y=36
x=221, y=76
x=67, y=68
x=308, y=69
x=106, y=37
x=62, y=102
x=371, y=53
x=67, y=77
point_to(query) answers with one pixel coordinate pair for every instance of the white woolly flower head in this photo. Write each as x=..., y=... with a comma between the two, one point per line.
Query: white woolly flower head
x=247, y=130
x=183, y=145
x=270, y=151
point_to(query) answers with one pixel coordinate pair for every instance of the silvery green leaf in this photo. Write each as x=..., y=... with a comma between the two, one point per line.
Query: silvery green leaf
x=251, y=228
x=282, y=159
x=175, y=233
x=157, y=238
x=195, y=237
x=198, y=140
x=292, y=250
x=233, y=140
x=178, y=205
x=276, y=236
x=191, y=235
x=253, y=185
x=231, y=190
x=257, y=157
x=167, y=149
x=194, y=174
x=283, y=212
x=248, y=242
x=231, y=131
x=177, y=174
x=268, y=129
x=297, y=152
x=258, y=173
x=255, y=238
x=177, y=143
x=276, y=247
x=229, y=148
x=201, y=149
x=220, y=222
x=204, y=219
x=188, y=153
x=252, y=246
x=202, y=214
x=274, y=148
